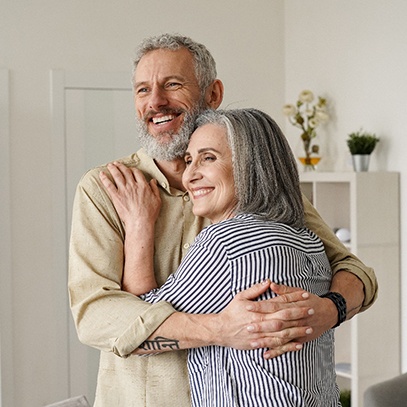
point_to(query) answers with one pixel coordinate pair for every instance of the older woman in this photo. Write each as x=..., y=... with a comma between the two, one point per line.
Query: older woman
x=241, y=174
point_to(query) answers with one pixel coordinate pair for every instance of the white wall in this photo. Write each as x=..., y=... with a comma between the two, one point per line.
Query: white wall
x=355, y=53
x=246, y=39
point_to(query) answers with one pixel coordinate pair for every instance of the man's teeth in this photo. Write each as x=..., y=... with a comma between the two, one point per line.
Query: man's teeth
x=163, y=119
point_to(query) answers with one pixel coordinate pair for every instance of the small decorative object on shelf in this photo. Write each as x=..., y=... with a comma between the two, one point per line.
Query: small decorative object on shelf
x=308, y=116
x=343, y=234
x=361, y=144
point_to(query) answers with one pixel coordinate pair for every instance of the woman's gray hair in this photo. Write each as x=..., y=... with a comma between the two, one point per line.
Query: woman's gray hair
x=264, y=168
x=205, y=66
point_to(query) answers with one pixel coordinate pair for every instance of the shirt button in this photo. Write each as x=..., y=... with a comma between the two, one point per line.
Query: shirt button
x=164, y=185
x=186, y=246
x=186, y=198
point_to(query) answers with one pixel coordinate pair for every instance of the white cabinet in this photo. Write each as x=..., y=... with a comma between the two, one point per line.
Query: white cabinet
x=366, y=203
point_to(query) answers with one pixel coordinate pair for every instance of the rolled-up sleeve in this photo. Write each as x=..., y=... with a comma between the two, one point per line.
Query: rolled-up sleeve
x=340, y=257
x=105, y=317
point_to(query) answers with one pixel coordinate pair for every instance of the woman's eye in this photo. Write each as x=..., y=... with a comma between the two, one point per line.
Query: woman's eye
x=209, y=158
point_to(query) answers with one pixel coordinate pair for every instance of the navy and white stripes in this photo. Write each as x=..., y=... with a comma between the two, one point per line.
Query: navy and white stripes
x=225, y=259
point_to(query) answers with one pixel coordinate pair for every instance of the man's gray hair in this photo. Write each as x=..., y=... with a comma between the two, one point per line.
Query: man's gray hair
x=264, y=168
x=205, y=66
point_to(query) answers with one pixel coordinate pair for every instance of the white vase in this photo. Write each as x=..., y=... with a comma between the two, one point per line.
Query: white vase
x=360, y=162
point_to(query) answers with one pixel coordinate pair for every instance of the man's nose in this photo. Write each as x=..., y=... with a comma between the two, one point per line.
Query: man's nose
x=158, y=98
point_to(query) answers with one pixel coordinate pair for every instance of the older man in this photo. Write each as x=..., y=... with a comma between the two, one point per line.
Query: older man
x=174, y=78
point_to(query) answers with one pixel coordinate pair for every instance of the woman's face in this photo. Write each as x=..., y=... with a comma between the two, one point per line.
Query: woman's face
x=208, y=176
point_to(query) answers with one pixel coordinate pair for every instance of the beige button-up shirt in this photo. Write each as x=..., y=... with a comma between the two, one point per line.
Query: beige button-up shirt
x=117, y=322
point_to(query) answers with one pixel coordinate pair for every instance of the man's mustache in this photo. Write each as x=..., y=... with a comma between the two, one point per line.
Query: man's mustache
x=164, y=111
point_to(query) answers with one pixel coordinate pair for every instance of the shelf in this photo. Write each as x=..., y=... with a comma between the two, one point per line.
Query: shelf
x=367, y=204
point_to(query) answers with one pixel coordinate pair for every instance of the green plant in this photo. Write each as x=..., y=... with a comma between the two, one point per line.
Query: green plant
x=362, y=142
x=345, y=398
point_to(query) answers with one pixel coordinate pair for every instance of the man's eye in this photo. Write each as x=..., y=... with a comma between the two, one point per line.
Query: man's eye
x=173, y=85
x=188, y=161
x=141, y=90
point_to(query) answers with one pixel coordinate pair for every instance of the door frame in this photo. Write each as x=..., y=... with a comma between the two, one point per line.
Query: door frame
x=6, y=288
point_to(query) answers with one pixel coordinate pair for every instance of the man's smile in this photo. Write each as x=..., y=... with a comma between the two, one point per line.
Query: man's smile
x=163, y=119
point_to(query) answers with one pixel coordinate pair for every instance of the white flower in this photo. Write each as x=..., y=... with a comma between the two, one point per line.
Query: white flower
x=309, y=112
x=306, y=96
x=321, y=116
x=289, y=110
x=321, y=108
x=313, y=123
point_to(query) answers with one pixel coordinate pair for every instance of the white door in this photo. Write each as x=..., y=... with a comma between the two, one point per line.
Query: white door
x=94, y=123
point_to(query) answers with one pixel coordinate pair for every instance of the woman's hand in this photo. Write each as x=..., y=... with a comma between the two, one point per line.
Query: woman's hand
x=137, y=201
x=138, y=205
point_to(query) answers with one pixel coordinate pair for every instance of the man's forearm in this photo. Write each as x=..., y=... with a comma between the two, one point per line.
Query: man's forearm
x=351, y=288
x=180, y=331
x=234, y=327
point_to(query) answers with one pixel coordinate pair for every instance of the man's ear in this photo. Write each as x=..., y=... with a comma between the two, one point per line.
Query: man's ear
x=214, y=94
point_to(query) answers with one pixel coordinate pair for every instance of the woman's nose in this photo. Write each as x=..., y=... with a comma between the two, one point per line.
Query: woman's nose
x=191, y=173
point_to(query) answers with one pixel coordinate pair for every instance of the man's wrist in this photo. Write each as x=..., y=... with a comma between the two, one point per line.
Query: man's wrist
x=340, y=304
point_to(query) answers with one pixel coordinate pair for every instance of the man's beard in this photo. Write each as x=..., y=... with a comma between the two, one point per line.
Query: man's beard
x=176, y=147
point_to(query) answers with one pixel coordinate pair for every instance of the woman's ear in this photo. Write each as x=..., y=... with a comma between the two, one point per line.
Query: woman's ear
x=214, y=94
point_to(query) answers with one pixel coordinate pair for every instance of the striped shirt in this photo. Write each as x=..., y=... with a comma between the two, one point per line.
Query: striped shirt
x=225, y=259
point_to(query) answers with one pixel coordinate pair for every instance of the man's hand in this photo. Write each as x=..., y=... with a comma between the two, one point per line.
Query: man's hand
x=279, y=324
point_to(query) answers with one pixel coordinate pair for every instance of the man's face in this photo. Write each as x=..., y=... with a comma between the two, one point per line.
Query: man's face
x=167, y=98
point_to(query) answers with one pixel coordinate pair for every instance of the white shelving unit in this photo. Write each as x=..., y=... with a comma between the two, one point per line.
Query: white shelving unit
x=366, y=203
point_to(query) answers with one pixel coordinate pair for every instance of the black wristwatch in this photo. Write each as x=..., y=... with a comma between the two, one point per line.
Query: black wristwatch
x=340, y=304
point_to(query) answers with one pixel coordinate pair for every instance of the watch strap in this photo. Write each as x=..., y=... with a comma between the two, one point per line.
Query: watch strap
x=340, y=304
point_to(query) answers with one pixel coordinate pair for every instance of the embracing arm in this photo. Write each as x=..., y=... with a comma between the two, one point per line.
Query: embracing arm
x=232, y=327
x=138, y=204
x=105, y=317
x=356, y=282
x=352, y=279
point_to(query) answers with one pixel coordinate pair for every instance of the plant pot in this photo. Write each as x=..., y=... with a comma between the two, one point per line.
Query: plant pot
x=360, y=162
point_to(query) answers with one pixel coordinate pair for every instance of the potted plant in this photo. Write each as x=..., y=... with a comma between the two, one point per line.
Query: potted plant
x=345, y=398
x=361, y=144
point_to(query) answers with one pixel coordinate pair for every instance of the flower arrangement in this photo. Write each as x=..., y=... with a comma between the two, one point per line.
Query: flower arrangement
x=307, y=116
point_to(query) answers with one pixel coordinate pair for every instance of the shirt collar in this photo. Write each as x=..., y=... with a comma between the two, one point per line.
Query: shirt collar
x=146, y=164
